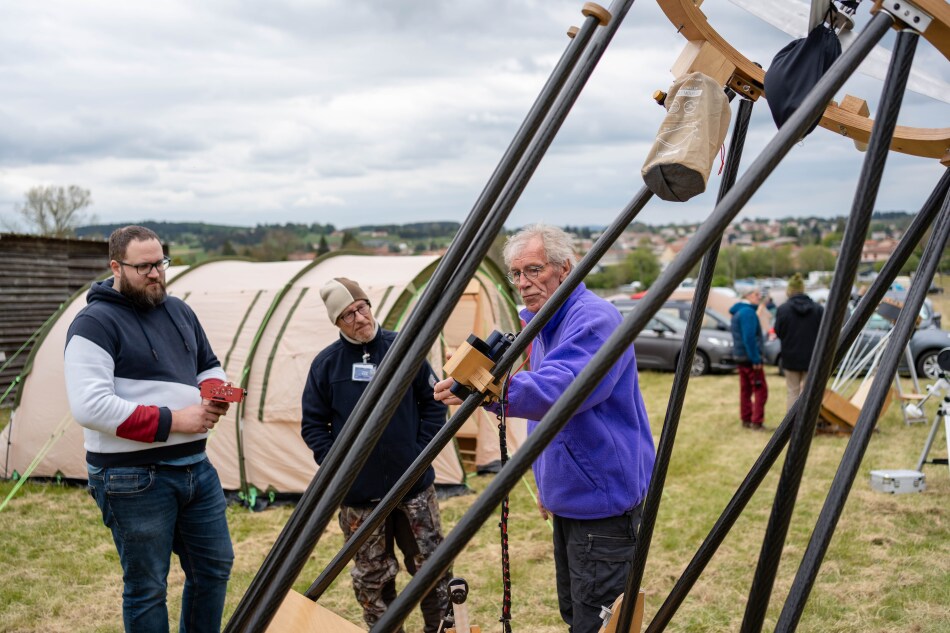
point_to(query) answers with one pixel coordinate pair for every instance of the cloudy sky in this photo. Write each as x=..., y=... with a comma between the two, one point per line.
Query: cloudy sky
x=373, y=111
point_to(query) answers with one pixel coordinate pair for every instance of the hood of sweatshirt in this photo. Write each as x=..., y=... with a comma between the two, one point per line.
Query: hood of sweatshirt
x=802, y=304
x=104, y=291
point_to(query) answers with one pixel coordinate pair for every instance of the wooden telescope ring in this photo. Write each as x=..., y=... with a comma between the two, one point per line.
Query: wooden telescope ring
x=706, y=51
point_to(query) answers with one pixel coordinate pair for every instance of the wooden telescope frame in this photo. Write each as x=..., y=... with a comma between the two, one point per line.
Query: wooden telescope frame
x=708, y=52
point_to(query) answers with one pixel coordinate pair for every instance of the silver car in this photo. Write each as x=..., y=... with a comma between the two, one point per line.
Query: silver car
x=659, y=344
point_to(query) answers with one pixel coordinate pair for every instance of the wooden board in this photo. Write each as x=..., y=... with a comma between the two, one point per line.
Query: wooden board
x=839, y=415
x=636, y=623
x=861, y=395
x=299, y=614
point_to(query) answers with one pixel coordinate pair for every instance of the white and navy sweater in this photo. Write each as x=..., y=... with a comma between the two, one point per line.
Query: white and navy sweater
x=128, y=369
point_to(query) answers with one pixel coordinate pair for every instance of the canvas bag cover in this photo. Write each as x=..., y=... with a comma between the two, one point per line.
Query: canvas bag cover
x=795, y=71
x=697, y=119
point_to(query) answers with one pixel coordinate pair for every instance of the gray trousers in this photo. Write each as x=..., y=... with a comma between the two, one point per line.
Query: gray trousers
x=794, y=383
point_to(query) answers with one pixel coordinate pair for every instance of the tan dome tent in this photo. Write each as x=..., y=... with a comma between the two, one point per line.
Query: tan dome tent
x=266, y=322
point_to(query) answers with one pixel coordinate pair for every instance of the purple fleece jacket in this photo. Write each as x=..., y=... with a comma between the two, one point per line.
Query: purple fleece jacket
x=599, y=465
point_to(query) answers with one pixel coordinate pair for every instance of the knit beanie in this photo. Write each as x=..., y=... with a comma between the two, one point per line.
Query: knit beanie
x=796, y=285
x=338, y=294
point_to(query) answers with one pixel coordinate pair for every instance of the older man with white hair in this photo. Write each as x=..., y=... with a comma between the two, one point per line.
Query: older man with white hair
x=593, y=476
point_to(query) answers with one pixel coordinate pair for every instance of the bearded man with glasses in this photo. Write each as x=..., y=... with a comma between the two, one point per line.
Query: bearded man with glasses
x=338, y=376
x=594, y=475
x=135, y=361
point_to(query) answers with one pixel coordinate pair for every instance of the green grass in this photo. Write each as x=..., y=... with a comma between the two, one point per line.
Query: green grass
x=887, y=569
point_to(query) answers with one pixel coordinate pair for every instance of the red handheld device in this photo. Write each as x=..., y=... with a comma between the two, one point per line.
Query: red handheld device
x=222, y=392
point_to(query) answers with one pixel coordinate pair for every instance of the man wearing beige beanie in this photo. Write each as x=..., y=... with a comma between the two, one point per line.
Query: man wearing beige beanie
x=796, y=325
x=338, y=376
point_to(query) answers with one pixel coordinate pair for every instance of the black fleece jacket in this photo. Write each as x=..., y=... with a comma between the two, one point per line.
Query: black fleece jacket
x=796, y=325
x=331, y=395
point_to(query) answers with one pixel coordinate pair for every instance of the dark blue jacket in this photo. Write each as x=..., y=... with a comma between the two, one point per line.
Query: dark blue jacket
x=331, y=395
x=746, y=334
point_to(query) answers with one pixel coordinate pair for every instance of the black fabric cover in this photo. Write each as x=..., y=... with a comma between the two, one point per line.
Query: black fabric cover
x=795, y=71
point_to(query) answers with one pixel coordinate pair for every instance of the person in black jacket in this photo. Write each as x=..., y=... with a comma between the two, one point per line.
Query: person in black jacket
x=796, y=325
x=338, y=376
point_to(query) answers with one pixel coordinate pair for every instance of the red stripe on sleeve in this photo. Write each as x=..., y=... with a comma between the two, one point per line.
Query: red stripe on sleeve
x=141, y=426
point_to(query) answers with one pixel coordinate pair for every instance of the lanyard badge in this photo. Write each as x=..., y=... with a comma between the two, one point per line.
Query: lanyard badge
x=364, y=372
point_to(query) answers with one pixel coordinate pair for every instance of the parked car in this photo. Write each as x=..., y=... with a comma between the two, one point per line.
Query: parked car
x=659, y=344
x=712, y=320
x=925, y=343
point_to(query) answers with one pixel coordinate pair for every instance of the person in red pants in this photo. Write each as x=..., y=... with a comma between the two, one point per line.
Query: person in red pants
x=747, y=343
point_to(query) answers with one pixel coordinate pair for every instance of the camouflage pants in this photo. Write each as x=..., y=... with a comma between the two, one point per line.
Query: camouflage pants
x=415, y=526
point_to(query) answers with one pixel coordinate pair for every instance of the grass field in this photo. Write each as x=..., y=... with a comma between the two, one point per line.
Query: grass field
x=887, y=569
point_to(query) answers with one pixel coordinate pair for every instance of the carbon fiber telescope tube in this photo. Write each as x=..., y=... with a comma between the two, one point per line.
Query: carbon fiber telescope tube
x=905, y=248
x=839, y=296
x=288, y=567
x=446, y=268
x=664, y=452
x=861, y=436
x=447, y=432
x=601, y=363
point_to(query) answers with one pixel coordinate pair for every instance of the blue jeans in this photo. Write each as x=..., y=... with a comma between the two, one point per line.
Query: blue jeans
x=152, y=512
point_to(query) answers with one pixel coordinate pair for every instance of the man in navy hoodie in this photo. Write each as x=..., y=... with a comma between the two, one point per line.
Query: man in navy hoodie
x=594, y=474
x=134, y=362
x=747, y=350
x=338, y=376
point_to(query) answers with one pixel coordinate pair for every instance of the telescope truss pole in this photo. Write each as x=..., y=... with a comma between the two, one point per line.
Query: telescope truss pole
x=820, y=367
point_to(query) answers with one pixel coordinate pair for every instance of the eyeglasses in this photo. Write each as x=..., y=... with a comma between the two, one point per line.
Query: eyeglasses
x=362, y=309
x=146, y=269
x=531, y=272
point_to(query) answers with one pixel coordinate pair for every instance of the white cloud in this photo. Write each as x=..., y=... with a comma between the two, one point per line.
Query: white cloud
x=358, y=111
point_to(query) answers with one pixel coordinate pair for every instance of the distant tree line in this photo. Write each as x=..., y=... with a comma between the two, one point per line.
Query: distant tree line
x=413, y=230
x=61, y=211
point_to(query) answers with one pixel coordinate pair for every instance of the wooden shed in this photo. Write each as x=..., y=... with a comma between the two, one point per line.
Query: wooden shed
x=37, y=275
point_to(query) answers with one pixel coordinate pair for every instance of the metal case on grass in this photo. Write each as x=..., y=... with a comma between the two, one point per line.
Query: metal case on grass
x=898, y=481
